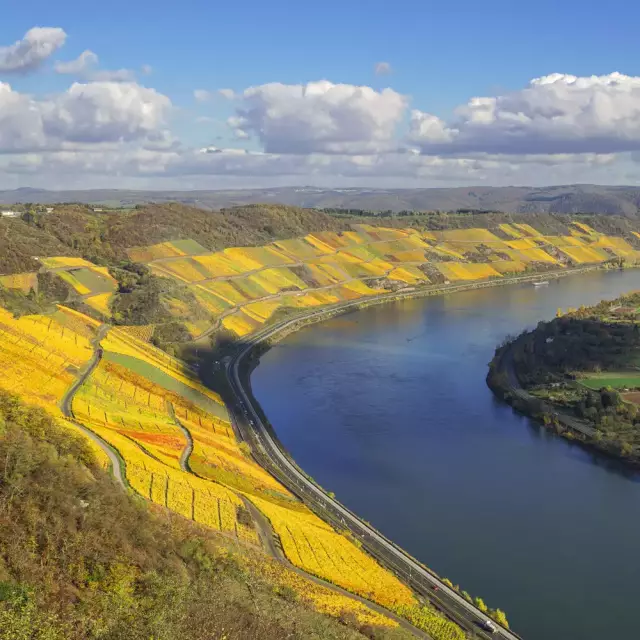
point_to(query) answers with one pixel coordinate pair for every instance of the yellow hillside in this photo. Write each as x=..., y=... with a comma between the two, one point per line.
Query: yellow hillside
x=140, y=400
x=244, y=287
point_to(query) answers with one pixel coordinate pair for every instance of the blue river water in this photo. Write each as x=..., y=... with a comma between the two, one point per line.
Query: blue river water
x=388, y=407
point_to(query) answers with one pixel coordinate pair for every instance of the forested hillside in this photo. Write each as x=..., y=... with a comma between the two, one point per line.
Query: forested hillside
x=81, y=560
x=583, y=364
x=106, y=236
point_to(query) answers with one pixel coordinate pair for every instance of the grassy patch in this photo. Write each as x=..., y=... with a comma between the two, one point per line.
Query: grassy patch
x=190, y=247
x=167, y=382
x=94, y=281
x=614, y=379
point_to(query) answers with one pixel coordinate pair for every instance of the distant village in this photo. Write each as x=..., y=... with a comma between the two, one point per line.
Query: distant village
x=16, y=211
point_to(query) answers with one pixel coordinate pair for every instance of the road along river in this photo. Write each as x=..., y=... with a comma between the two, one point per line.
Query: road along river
x=388, y=408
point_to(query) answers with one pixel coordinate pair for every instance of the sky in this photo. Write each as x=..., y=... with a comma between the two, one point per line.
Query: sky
x=216, y=95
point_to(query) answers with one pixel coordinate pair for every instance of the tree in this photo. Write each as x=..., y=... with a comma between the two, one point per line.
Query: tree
x=479, y=602
x=609, y=398
x=500, y=617
x=626, y=449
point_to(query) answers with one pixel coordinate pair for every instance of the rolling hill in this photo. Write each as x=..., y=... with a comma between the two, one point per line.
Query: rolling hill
x=599, y=199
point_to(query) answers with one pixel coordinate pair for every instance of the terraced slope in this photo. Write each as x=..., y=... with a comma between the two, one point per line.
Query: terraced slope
x=134, y=399
x=243, y=288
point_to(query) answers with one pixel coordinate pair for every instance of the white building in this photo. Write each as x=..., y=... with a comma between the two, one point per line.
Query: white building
x=9, y=214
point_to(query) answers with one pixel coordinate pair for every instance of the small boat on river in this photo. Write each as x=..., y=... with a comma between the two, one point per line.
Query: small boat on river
x=541, y=283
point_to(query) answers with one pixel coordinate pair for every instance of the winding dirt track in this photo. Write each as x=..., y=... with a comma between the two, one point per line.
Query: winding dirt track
x=188, y=448
x=66, y=406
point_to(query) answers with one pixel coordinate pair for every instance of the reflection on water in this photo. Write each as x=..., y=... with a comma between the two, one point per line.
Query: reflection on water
x=388, y=407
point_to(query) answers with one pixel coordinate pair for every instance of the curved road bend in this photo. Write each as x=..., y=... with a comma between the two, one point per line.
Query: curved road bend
x=410, y=570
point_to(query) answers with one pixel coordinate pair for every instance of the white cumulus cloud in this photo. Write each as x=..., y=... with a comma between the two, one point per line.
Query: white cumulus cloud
x=35, y=47
x=87, y=113
x=20, y=121
x=557, y=130
x=558, y=113
x=98, y=111
x=319, y=117
x=83, y=63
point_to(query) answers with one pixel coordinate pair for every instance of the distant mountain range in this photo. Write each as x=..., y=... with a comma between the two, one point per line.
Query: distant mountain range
x=608, y=200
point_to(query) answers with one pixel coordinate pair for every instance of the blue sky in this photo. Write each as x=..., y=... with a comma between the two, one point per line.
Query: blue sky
x=440, y=55
x=441, y=52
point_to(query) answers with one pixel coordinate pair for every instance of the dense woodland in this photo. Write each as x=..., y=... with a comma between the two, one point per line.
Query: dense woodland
x=75, y=229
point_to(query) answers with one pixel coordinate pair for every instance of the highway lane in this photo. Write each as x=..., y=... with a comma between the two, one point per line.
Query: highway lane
x=273, y=458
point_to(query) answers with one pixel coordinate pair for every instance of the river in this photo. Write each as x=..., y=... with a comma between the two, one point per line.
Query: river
x=388, y=408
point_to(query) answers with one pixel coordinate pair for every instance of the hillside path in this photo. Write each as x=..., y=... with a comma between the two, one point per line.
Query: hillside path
x=66, y=406
x=188, y=448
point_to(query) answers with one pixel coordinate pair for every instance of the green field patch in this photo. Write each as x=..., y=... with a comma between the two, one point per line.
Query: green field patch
x=250, y=288
x=210, y=301
x=164, y=380
x=200, y=268
x=613, y=379
x=189, y=247
x=363, y=252
x=72, y=281
x=93, y=280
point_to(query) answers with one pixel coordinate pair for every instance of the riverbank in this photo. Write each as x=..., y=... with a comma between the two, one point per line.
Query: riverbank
x=504, y=383
x=279, y=331
x=260, y=343
x=257, y=431
x=389, y=409
x=569, y=366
